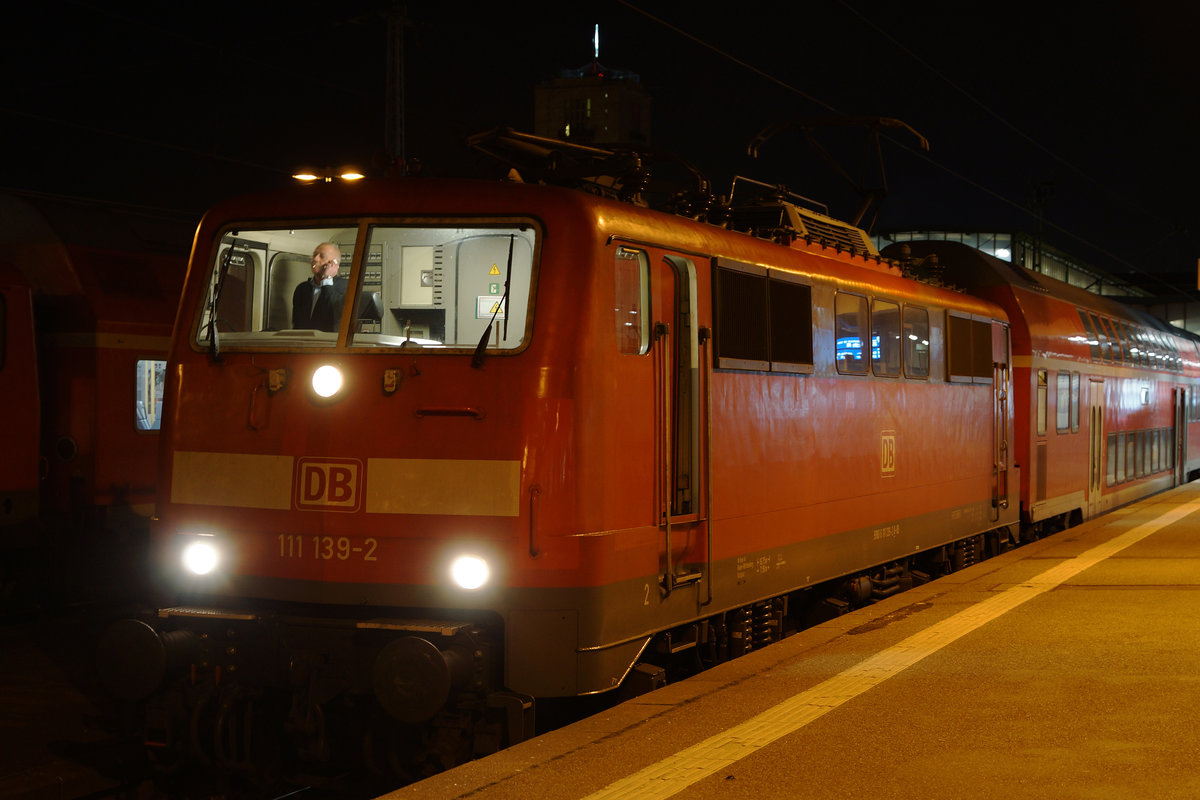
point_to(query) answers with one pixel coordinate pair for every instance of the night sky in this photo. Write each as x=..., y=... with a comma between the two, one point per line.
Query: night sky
x=1095, y=111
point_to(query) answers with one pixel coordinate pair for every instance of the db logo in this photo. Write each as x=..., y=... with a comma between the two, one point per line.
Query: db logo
x=328, y=484
x=887, y=453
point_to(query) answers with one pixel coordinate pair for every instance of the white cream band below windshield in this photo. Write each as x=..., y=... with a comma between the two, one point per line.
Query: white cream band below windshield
x=241, y=480
x=455, y=487
x=443, y=486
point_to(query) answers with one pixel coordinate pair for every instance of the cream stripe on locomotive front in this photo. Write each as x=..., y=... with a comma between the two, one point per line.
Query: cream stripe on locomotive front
x=241, y=480
x=443, y=486
x=457, y=487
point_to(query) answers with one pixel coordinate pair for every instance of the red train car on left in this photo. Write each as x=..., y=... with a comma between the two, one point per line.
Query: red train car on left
x=87, y=299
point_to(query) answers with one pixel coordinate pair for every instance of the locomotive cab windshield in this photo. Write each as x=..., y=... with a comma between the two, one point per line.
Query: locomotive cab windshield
x=394, y=285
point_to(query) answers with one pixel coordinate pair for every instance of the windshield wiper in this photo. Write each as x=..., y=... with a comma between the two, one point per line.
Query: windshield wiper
x=214, y=348
x=477, y=359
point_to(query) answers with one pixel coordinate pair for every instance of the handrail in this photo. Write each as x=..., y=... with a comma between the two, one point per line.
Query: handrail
x=451, y=411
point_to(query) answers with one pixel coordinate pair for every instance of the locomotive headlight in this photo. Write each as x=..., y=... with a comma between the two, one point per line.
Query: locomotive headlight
x=327, y=381
x=470, y=572
x=201, y=556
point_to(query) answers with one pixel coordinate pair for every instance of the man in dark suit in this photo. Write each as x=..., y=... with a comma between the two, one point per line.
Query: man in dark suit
x=317, y=303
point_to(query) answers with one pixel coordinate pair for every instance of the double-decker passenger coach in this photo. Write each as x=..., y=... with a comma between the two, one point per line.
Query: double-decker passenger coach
x=1106, y=395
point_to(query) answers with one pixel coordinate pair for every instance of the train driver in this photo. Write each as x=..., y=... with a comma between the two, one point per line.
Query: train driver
x=317, y=302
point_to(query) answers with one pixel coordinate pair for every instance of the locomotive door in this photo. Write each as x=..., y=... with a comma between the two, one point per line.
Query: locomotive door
x=1096, y=441
x=1180, y=434
x=1000, y=411
x=679, y=420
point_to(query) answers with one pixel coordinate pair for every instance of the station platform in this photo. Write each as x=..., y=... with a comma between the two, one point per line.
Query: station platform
x=1067, y=668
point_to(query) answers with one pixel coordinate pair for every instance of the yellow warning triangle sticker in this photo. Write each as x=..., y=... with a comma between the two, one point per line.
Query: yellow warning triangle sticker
x=495, y=309
x=495, y=270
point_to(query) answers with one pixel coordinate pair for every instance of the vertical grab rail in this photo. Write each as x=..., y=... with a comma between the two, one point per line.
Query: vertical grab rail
x=1000, y=439
x=706, y=367
x=662, y=333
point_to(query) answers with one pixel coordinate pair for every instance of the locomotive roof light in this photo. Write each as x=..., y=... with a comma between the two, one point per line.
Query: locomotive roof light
x=328, y=174
x=327, y=381
x=470, y=572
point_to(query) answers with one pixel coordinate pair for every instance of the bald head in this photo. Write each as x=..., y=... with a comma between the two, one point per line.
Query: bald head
x=325, y=261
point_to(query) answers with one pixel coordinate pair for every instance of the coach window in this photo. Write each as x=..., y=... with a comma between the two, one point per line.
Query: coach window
x=1114, y=344
x=631, y=286
x=916, y=342
x=3, y=329
x=1136, y=346
x=1120, y=458
x=1062, y=403
x=1075, y=402
x=1102, y=336
x=1041, y=402
x=1111, y=460
x=149, y=376
x=1158, y=355
x=1089, y=330
x=1165, y=347
x=1122, y=335
x=1130, y=344
x=850, y=327
x=1147, y=349
x=1119, y=347
x=1176, y=359
x=1172, y=354
x=885, y=338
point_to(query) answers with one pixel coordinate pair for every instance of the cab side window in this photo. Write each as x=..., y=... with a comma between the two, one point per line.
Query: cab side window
x=631, y=288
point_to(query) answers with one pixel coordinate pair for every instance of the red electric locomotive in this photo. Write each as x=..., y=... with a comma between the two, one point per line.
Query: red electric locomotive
x=550, y=445
x=1106, y=396
x=87, y=300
